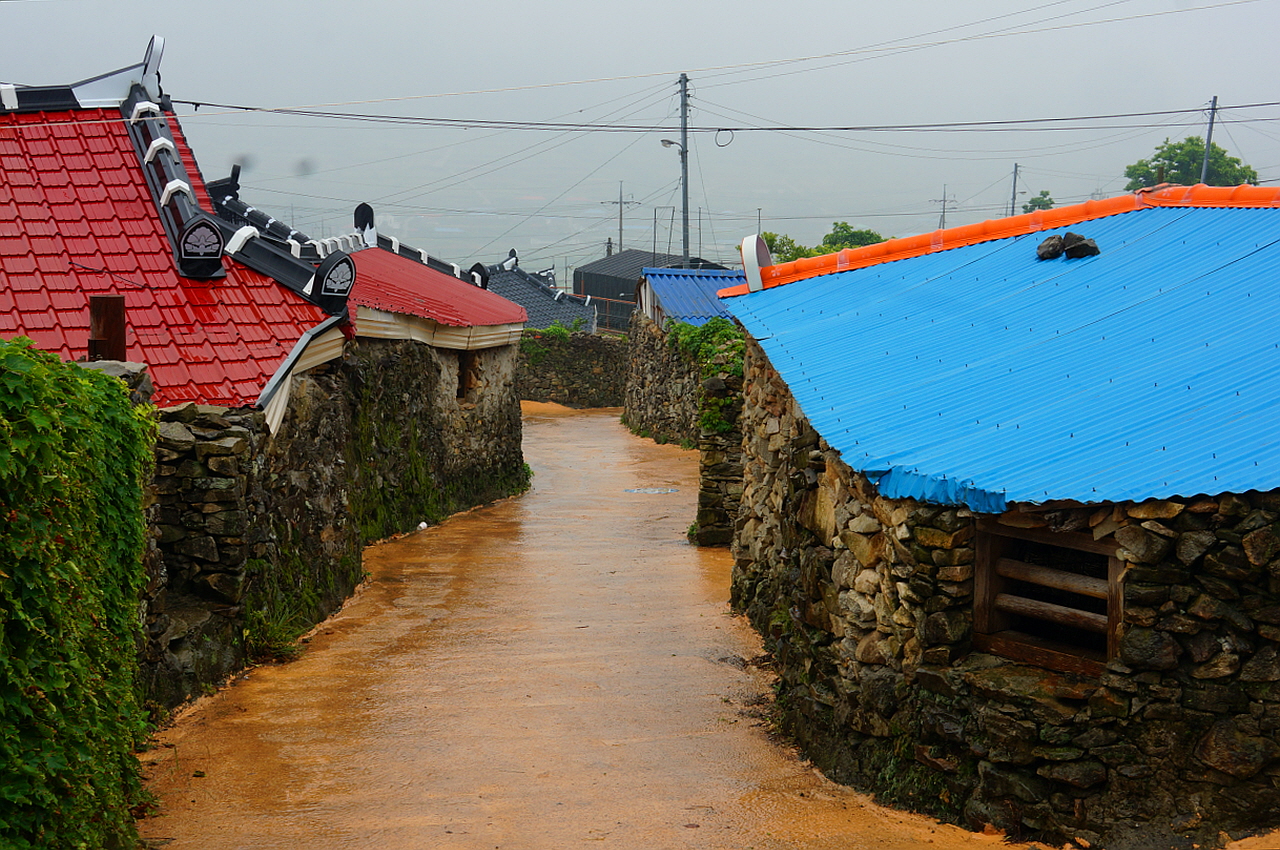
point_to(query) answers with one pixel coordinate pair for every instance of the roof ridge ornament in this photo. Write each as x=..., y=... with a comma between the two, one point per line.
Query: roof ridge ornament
x=172, y=188
x=157, y=145
x=151, y=67
x=143, y=110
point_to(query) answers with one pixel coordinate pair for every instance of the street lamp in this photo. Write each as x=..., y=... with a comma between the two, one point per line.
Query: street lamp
x=684, y=189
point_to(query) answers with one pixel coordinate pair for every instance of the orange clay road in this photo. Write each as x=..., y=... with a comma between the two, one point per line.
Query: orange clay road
x=559, y=670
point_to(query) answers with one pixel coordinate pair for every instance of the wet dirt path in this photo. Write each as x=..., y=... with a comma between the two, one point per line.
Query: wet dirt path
x=555, y=671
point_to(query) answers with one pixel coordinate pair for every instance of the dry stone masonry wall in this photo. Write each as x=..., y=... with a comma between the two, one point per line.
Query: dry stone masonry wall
x=261, y=535
x=584, y=370
x=663, y=386
x=867, y=604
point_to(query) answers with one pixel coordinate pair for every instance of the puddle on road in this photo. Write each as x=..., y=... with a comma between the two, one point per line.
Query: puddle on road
x=557, y=670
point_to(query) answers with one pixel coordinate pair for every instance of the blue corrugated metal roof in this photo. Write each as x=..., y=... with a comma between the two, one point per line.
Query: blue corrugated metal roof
x=689, y=295
x=981, y=376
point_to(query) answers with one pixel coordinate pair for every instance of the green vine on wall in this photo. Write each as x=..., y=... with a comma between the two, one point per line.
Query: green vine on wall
x=531, y=342
x=74, y=456
x=717, y=346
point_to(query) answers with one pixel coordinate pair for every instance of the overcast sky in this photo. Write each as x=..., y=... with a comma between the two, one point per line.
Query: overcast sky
x=469, y=194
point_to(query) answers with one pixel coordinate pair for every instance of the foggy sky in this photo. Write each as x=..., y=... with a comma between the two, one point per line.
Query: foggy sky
x=470, y=194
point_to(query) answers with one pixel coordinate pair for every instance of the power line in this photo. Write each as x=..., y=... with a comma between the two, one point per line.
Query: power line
x=1004, y=125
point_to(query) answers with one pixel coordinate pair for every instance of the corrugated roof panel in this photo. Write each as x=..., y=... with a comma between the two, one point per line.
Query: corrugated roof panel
x=689, y=295
x=982, y=376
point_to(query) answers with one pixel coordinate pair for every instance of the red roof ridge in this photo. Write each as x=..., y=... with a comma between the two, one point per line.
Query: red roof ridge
x=1164, y=195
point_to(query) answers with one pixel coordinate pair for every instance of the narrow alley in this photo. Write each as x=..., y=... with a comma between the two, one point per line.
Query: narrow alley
x=557, y=670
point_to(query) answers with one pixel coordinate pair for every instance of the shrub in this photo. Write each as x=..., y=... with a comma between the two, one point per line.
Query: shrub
x=74, y=456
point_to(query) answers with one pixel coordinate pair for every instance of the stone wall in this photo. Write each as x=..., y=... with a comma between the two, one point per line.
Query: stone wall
x=719, y=459
x=585, y=370
x=259, y=536
x=867, y=605
x=663, y=387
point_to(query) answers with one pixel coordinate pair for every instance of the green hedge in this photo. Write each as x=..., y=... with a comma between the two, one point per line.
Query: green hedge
x=74, y=455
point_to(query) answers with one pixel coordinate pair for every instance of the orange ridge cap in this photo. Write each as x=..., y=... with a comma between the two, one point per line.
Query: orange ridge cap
x=908, y=247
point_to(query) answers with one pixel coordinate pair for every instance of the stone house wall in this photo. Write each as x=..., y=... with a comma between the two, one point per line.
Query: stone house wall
x=262, y=533
x=867, y=605
x=586, y=370
x=719, y=459
x=663, y=387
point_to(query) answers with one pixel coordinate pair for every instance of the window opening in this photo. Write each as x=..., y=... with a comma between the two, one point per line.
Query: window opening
x=1052, y=599
x=466, y=380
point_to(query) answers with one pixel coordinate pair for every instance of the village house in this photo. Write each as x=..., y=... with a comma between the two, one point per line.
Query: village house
x=312, y=395
x=1010, y=514
x=611, y=281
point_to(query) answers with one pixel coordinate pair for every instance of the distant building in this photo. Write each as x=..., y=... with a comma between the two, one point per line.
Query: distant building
x=538, y=295
x=612, y=281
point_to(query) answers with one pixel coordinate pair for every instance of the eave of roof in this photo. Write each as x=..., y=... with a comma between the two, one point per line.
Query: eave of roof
x=971, y=234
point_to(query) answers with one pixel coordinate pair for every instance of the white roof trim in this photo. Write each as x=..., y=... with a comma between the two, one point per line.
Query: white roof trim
x=319, y=246
x=395, y=245
x=175, y=186
x=9, y=95
x=294, y=247
x=241, y=236
x=158, y=145
x=141, y=107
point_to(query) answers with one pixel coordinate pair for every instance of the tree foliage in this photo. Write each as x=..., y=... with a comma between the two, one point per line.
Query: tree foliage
x=74, y=456
x=1182, y=162
x=843, y=236
x=1040, y=202
x=784, y=249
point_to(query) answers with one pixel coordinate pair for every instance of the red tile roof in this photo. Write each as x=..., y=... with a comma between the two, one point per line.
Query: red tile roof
x=970, y=234
x=387, y=281
x=77, y=219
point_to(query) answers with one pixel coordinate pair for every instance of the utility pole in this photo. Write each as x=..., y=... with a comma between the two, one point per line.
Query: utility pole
x=1013, y=199
x=684, y=159
x=942, y=223
x=621, y=205
x=1208, y=139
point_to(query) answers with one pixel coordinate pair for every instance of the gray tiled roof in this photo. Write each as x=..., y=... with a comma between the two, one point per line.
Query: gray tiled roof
x=628, y=264
x=544, y=304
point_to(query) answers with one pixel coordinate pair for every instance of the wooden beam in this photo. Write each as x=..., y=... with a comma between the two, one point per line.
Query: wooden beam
x=1063, y=539
x=1095, y=588
x=1060, y=614
x=1021, y=647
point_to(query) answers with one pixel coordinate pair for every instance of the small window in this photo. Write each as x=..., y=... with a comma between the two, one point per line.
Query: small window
x=466, y=377
x=1048, y=598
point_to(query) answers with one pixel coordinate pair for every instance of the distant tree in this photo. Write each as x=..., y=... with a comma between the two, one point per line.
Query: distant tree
x=783, y=248
x=842, y=236
x=1039, y=202
x=1182, y=162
